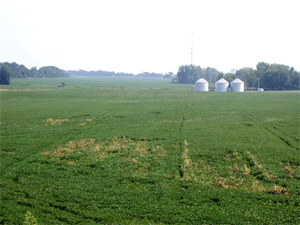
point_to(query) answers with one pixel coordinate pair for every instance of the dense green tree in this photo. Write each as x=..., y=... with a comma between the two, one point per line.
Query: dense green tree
x=20, y=71
x=17, y=71
x=220, y=76
x=270, y=76
x=293, y=83
x=4, y=75
x=34, y=72
x=52, y=72
x=189, y=74
x=210, y=74
x=230, y=77
x=248, y=75
x=276, y=76
x=242, y=72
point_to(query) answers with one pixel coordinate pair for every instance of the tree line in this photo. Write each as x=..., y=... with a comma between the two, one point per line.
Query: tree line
x=20, y=71
x=269, y=76
x=102, y=73
x=189, y=74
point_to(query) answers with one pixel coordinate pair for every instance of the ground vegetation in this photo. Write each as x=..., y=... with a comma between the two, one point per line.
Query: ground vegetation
x=126, y=151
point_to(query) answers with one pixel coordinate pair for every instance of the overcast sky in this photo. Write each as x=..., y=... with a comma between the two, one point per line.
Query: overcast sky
x=155, y=36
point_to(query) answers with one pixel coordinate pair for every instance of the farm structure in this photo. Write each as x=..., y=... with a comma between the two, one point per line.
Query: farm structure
x=237, y=85
x=201, y=85
x=222, y=85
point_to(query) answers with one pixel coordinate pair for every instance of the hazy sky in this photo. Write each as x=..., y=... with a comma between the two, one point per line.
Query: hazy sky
x=149, y=35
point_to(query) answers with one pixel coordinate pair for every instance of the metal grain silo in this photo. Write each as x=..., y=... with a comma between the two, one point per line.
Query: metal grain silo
x=201, y=85
x=221, y=85
x=237, y=85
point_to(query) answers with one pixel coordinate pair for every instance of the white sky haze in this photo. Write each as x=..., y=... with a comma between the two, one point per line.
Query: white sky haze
x=155, y=36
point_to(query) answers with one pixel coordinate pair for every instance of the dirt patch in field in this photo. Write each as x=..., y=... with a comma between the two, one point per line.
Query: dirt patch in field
x=244, y=172
x=135, y=157
x=7, y=90
x=53, y=122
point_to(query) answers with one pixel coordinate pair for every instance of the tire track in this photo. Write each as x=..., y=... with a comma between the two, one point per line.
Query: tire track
x=104, y=115
x=295, y=139
x=272, y=129
x=116, y=109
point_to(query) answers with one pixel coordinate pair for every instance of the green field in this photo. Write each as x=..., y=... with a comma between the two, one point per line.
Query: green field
x=128, y=151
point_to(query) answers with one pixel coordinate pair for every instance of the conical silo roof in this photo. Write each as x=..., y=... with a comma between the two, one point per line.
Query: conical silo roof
x=201, y=80
x=222, y=81
x=237, y=80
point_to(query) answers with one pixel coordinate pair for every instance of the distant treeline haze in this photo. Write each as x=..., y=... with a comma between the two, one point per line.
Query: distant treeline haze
x=269, y=76
x=20, y=71
x=102, y=73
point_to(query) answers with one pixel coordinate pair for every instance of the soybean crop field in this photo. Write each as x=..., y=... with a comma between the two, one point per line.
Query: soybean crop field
x=128, y=151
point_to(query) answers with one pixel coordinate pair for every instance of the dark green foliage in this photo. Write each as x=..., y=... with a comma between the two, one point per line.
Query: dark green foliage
x=52, y=72
x=248, y=75
x=20, y=71
x=278, y=77
x=189, y=74
x=271, y=77
x=220, y=76
x=114, y=151
x=230, y=77
x=4, y=75
x=17, y=71
x=210, y=74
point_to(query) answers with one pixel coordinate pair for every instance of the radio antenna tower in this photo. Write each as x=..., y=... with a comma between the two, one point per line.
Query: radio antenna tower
x=192, y=50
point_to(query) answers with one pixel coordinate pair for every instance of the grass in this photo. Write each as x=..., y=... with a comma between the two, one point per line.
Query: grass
x=128, y=151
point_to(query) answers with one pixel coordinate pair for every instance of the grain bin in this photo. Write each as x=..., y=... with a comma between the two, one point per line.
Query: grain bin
x=221, y=85
x=237, y=85
x=201, y=85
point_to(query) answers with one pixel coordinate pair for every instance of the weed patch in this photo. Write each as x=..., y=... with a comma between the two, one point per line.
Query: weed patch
x=134, y=156
x=278, y=190
x=244, y=172
x=30, y=219
x=53, y=122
